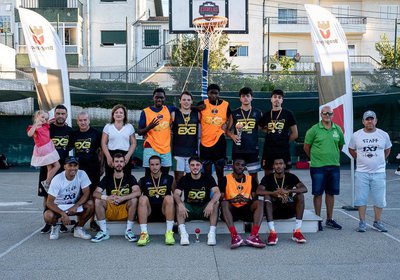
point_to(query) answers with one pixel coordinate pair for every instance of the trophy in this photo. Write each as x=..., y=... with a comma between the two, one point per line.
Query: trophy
x=197, y=232
x=239, y=129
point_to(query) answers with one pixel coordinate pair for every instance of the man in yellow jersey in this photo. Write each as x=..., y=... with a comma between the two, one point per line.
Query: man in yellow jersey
x=214, y=115
x=239, y=203
x=155, y=125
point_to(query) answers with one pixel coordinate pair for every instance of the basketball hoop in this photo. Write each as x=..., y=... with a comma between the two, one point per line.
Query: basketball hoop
x=209, y=30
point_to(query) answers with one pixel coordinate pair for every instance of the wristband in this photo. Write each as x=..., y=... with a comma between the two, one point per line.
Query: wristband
x=103, y=197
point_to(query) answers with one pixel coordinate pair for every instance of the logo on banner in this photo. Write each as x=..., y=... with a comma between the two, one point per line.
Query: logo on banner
x=208, y=8
x=37, y=34
x=324, y=29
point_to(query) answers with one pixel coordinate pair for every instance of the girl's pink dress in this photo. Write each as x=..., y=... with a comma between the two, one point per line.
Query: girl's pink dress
x=44, y=152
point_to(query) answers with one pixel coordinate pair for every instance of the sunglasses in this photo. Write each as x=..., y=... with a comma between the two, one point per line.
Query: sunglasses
x=327, y=113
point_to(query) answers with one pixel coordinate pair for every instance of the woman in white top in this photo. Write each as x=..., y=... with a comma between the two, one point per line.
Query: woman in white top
x=118, y=137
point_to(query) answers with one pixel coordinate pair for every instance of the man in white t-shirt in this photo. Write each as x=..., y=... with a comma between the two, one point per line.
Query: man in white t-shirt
x=68, y=196
x=370, y=147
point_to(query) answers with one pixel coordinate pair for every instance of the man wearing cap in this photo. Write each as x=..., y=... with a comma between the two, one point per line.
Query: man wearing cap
x=322, y=144
x=280, y=127
x=68, y=196
x=370, y=147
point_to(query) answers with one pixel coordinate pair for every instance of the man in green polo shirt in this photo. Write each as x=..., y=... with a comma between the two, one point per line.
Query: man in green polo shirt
x=322, y=144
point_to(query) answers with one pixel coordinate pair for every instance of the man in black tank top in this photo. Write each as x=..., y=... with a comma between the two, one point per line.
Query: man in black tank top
x=185, y=130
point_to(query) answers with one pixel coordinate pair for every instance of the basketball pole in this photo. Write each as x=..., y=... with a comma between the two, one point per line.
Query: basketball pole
x=204, y=74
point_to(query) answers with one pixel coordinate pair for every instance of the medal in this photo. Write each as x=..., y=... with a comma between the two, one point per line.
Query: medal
x=273, y=131
x=156, y=186
x=240, y=188
x=157, y=196
x=214, y=111
x=160, y=117
x=274, y=121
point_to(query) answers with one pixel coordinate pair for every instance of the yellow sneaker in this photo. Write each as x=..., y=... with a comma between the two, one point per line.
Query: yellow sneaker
x=144, y=239
x=169, y=238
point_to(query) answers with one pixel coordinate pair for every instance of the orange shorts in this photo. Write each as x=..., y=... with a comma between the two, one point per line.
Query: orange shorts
x=116, y=212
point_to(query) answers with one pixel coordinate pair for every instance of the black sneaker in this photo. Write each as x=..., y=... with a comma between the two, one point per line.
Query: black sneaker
x=320, y=228
x=332, y=224
x=63, y=228
x=94, y=226
x=46, y=229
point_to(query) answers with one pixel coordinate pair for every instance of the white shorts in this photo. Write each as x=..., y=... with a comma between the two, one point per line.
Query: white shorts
x=182, y=164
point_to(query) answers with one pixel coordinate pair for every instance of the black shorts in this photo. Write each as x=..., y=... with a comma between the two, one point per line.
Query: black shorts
x=283, y=210
x=156, y=214
x=243, y=213
x=270, y=157
x=93, y=172
x=214, y=153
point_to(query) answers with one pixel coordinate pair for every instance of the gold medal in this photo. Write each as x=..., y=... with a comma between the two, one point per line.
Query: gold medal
x=157, y=196
x=214, y=111
x=273, y=131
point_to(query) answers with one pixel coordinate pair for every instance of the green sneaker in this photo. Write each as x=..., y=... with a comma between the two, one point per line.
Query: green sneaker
x=144, y=239
x=169, y=238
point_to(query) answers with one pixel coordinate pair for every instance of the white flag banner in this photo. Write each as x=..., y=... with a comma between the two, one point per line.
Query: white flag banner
x=47, y=58
x=333, y=67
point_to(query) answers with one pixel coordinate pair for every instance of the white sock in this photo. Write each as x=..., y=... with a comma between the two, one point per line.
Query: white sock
x=213, y=229
x=129, y=225
x=298, y=224
x=170, y=225
x=271, y=226
x=143, y=228
x=102, y=225
x=182, y=228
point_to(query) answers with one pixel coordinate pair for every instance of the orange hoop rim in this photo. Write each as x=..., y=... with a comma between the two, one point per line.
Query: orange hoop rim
x=210, y=22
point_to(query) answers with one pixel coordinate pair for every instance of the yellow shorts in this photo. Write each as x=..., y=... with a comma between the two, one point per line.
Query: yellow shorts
x=116, y=212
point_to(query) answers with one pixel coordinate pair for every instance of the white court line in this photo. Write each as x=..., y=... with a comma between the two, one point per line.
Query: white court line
x=20, y=212
x=15, y=246
x=385, y=233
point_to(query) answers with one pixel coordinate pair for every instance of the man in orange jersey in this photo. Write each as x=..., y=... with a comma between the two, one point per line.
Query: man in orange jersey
x=239, y=203
x=155, y=126
x=214, y=115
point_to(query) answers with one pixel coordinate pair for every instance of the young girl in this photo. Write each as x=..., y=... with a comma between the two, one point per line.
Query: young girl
x=44, y=152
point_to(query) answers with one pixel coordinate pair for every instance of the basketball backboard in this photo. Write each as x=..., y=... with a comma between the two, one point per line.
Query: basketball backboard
x=182, y=13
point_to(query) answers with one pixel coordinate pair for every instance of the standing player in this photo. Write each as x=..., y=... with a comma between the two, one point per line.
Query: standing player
x=184, y=128
x=284, y=199
x=214, y=115
x=244, y=123
x=238, y=203
x=201, y=200
x=87, y=144
x=155, y=125
x=60, y=135
x=280, y=127
x=156, y=203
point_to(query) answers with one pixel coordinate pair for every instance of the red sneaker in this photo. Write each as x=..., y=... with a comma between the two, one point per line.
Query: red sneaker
x=298, y=237
x=255, y=241
x=236, y=241
x=272, y=238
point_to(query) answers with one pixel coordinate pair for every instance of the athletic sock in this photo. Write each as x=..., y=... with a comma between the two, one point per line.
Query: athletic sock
x=271, y=226
x=143, y=228
x=102, y=225
x=170, y=225
x=233, y=231
x=182, y=228
x=255, y=229
x=298, y=225
x=213, y=229
x=129, y=225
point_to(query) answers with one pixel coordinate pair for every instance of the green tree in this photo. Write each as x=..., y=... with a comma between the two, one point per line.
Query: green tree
x=386, y=52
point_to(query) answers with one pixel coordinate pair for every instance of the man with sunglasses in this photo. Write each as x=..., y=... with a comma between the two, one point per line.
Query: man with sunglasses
x=322, y=144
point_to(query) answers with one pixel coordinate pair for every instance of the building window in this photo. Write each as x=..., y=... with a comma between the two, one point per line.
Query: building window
x=287, y=16
x=238, y=51
x=289, y=53
x=113, y=38
x=5, y=24
x=151, y=35
x=389, y=11
x=112, y=0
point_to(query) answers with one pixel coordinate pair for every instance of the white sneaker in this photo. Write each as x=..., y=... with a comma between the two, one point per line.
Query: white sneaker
x=398, y=156
x=79, y=232
x=185, y=238
x=397, y=172
x=55, y=232
x=211, y=239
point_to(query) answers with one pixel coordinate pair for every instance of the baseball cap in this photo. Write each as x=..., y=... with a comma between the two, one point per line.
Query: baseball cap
x=71, y=159
x=369, y=114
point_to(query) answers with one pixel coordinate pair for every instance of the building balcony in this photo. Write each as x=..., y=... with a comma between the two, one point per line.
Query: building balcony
x=55, y=10
x=300, y=25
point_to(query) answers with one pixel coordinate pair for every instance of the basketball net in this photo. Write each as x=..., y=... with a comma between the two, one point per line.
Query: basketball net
x=209, y=30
